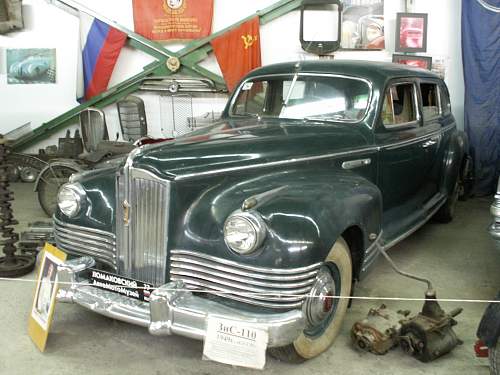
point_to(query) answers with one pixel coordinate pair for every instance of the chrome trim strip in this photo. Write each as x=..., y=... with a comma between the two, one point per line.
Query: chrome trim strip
x=313, y=158
x=193, y=262
x=416, y=227
x=233, y=287
x=190, y=270
x=278, y=163
x=276, y=271
x=84, y=229
x=267, y=287
x=417, y=139
x=351, y=164
x=230, y=294
x=109, y=243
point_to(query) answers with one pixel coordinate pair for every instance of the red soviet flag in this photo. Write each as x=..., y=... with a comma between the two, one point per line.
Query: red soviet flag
x=238, y=51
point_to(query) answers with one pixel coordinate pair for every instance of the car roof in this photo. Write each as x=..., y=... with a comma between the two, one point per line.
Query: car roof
x=374, y=71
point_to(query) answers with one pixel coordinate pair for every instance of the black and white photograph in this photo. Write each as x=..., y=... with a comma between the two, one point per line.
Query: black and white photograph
x=44, y=295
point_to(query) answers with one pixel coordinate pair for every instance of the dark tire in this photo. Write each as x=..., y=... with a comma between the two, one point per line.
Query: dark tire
x=316, y=339
x=447, y=211
x=495, y=359
x=466, y=180
x=51, y=179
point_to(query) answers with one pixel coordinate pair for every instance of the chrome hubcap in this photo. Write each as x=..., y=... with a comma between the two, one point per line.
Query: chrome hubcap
x=319, y=303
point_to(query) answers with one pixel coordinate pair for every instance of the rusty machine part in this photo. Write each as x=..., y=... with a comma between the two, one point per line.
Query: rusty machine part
x=11, y=265
x=429, y=334
x=379, y=331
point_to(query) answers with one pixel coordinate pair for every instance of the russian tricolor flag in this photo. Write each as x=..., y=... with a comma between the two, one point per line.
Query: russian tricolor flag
x=101, y=47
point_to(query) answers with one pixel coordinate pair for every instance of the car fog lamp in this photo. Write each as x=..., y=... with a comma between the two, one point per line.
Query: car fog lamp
x=244, y=232
x=70, y=198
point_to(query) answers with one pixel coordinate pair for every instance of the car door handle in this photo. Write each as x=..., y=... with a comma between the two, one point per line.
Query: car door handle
x=350, y=164
x=429, y=143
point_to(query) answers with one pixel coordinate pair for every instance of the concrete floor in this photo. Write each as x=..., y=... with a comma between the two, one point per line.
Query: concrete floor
x=459, y=257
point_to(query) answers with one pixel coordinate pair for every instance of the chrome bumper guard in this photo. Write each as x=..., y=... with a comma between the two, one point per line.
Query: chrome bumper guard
x=171, y=310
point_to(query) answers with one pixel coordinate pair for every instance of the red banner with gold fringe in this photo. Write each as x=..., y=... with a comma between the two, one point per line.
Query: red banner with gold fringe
x=238, y=51
x=164, y=20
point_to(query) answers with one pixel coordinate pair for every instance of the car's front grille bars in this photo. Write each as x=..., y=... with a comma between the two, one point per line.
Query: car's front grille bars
x=142, y=226
x=266, y=287
x=79, y=240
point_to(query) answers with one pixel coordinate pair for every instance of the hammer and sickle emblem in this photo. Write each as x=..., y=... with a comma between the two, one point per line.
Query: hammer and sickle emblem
x=249, y=40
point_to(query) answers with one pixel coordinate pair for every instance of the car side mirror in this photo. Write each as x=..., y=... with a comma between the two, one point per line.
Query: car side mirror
x=320, y=26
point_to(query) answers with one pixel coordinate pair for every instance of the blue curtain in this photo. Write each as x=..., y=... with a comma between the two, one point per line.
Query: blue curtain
x=481, y=61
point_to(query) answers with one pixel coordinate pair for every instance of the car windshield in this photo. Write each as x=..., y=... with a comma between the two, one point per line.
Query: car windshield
x=327, y=98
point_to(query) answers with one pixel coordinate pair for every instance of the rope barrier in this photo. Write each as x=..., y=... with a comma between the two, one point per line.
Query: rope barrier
x=250, y=294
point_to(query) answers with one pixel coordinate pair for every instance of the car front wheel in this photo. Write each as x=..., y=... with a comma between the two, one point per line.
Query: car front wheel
x=323, y=311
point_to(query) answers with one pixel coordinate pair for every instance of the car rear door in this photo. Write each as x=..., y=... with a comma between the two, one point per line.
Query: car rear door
x=404, y=163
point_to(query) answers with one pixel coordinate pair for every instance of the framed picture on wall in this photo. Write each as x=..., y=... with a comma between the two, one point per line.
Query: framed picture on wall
x=411, y=32
x=31, y=65
x=424, y=62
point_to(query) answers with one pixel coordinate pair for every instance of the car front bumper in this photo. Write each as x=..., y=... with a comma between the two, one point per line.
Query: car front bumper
x=172, y=309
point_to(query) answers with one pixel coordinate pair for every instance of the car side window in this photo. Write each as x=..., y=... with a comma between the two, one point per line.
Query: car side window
x=445, y=100
x=430, y=100
x=253, y=98
x=399, y=105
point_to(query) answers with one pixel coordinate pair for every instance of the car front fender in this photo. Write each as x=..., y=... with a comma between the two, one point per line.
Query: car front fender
x=305, y=213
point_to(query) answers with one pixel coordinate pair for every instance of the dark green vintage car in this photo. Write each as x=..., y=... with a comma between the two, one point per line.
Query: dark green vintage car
x=265, y=216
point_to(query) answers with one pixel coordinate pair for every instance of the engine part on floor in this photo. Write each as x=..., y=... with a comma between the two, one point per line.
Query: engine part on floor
x=32, y=240
x=379, y=331
x=429, y=334
x=11, y=265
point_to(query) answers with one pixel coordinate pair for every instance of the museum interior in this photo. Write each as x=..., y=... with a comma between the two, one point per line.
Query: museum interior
x=220, y=186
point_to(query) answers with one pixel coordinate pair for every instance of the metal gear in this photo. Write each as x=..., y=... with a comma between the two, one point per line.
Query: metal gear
x=11, y=265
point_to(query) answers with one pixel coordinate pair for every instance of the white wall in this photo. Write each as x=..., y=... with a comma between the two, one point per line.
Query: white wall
x=48, y=26
x=444, y=42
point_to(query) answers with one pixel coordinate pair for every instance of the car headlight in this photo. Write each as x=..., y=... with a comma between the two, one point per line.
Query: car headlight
x=70, y=198
x=244, y=232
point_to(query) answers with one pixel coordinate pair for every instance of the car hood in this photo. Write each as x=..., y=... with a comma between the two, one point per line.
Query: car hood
x=240, y=144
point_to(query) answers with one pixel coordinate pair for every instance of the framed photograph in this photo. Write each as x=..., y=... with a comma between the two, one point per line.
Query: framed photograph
x=31, y=65
x=411, y=32
x=44, y=300
x=424, y=62
x=363, y=25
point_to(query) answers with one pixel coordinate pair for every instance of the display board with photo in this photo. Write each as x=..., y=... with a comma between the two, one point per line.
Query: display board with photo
x=411, y=32
x=31, y=65
x=363, y=25
x=424, y=62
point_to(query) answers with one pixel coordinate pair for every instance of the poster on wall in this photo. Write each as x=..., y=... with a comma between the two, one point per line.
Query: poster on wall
x=424, y=62
x=166, y=20
x=31, y=65
x=363, y=25
x=411, y=32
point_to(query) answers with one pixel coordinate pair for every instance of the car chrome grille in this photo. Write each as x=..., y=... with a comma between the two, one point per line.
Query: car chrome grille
x=143, y=239
x=78, y=240
x=267, y=287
